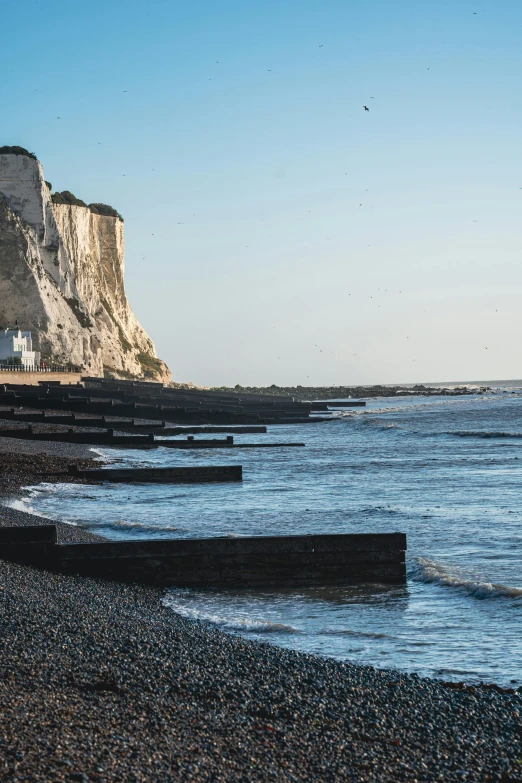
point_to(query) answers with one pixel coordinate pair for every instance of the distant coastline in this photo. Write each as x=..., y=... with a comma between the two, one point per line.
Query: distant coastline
x=311, y=393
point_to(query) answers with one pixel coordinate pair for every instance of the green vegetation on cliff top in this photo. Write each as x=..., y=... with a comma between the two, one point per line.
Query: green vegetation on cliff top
x=105, y=209
x=66, y=197
x=6, y=150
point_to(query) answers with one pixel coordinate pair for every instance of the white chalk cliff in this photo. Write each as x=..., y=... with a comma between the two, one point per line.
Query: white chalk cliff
x=61, y=276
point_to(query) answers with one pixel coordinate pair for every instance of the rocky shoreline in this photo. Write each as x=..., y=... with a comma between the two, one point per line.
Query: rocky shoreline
x=311, y=393
x=101, y=682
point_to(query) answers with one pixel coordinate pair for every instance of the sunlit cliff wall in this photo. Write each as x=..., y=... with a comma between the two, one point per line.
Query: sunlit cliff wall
x=62, y=277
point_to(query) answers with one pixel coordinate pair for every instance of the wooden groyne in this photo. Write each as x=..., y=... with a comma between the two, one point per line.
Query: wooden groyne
x=346, y=403
x=186, y=475
x=31, y=544
x=124, y=425
x=150, y=401
x=150, y=441
x=260, y=562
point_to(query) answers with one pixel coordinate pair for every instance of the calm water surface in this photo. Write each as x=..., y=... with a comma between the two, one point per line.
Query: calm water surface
x=446, y=471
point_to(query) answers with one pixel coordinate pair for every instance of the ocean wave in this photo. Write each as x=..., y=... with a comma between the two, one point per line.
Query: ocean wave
x=124, y=524
x=380, y=424
x=483, y=434
x=430, y=572
x=37, y=490
x=102, y=455
x=240, y=624
x=358, y=634
x=408, y=406
x=22, y=504
x=253, y=626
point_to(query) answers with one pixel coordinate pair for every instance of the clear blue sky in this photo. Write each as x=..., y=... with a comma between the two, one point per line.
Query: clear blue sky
x=266, y=213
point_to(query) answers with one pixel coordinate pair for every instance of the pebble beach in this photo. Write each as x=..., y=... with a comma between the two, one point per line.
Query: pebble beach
x=101, y=682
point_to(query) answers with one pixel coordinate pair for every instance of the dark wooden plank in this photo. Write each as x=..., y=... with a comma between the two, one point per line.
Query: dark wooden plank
x=346, y=403
x=163, y=475
x=159, y=573
x=241, y=546
x=254, y=561
x=31, y=534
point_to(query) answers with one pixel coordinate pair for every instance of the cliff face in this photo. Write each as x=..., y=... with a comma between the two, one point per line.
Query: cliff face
x=62, y=277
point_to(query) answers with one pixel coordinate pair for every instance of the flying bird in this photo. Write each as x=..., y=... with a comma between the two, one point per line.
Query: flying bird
x=320, y=46
x=366, y=108
x=58, y=118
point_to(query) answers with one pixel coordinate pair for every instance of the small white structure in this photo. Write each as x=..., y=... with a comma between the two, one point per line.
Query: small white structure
x=16, y=348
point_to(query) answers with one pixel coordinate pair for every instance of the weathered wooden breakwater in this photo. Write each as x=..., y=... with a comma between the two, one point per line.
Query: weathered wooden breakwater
x=150, y=441
x=123, y=425
x=260, y=562
x=150, y=401
x=345, y=404
x=125, y=409
x=186, y=475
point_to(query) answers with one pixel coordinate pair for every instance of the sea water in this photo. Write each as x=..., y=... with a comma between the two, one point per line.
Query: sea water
x=447, y=471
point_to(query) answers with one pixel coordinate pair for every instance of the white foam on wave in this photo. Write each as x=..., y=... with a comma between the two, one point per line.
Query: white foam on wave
x=407, y=407
x=432, y=572
x=101, y=456
x=239, y=624
x=23, y=504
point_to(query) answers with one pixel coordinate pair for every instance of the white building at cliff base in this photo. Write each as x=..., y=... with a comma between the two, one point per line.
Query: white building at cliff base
x=16, y=348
